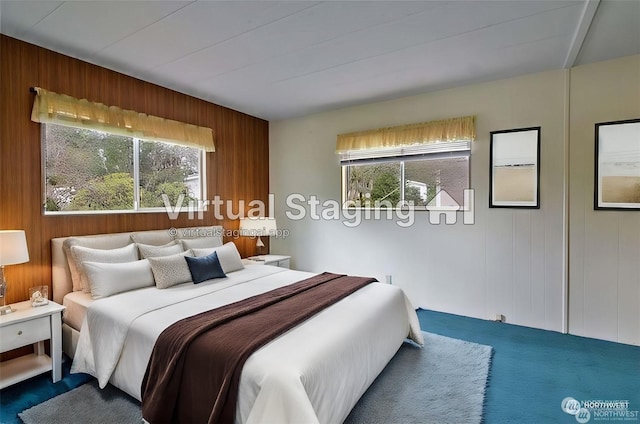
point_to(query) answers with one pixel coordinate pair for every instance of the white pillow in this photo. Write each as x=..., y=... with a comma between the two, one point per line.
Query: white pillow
x=106, y=279
x=228, y=256
x=171, y=270
x=87, y=254
x=151, y=251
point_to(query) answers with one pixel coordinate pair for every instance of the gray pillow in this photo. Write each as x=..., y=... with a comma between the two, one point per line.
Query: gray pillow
x=201, y=242
x=171, y=270
x=151, y=251
x=73, y=266
x=200, y=237
x=155, y=237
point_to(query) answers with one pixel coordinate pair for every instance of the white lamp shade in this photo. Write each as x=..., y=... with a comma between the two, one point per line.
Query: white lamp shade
x=256, y=227
x=13, y=247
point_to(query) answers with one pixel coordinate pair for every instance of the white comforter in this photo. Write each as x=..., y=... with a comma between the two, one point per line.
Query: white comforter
x=316, y=372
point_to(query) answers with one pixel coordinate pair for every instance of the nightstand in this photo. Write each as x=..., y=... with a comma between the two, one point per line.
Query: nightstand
x=29, y=325
x=282, y=261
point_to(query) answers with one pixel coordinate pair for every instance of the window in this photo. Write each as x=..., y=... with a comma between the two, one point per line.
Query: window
x=424, y=164
x=382, y=178
x=88, y=170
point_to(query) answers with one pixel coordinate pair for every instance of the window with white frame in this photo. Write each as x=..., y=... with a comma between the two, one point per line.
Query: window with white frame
x=391, y=177
x=88, y=170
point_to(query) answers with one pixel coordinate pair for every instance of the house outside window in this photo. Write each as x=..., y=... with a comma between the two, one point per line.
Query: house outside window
x=392, y=181
x=424, y=165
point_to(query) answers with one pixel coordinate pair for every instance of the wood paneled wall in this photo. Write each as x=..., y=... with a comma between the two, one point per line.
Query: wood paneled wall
x=238, y=170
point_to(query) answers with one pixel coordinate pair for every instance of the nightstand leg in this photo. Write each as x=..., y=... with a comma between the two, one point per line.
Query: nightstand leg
x=56, y=347
x=38, y=348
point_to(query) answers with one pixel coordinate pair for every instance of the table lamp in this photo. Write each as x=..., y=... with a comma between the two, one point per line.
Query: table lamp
x=13, y=250
x=258, y=227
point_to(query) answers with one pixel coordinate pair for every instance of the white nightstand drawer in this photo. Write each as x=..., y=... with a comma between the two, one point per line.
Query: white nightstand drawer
x=25, y=326
x=25, y=333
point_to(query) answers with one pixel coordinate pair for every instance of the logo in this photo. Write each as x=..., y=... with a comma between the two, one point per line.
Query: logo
x=350, y=212
x=598, y=410
x=583, y=415
x=570, y=406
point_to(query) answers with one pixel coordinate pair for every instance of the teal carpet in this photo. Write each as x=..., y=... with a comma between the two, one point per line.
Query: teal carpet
x=532, y=371
x=15, y=399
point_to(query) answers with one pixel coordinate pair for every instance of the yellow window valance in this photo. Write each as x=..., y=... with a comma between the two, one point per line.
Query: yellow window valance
x=50, y=107
x=445, y=130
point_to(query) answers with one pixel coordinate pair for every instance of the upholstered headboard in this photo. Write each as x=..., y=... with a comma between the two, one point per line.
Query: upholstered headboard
x=61, y=274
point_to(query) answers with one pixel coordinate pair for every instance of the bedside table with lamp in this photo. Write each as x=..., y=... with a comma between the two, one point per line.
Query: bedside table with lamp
x=259, y=227
x=30, y=322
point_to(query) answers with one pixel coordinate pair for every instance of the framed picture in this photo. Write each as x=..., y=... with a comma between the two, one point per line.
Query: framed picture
x=617, y=165
x=514, y=178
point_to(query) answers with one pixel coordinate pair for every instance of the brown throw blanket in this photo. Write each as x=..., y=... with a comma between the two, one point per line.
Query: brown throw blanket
x=194, y=370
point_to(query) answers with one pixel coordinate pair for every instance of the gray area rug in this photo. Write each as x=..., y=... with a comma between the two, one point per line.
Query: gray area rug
x=442, y=383
x=86, y=404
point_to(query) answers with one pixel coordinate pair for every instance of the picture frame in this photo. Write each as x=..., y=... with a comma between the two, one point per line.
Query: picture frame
x=617, y=165
x=514, y=174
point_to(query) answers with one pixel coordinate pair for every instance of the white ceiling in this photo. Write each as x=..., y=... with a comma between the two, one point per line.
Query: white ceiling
x=277, y=60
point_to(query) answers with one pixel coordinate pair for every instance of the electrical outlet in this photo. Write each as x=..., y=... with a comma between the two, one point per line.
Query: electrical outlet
x=388, y=277
x=500, y=318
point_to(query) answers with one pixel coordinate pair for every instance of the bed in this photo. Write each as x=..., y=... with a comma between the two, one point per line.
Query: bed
x=315, y=372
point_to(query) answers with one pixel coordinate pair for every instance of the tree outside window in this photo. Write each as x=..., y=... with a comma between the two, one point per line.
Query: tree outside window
x=412, y=180
x=88, y=170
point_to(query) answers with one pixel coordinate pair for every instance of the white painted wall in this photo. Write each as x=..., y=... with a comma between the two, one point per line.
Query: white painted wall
x=511, y=261
x=605, y=245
